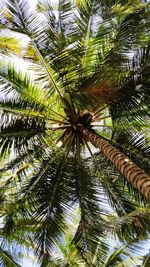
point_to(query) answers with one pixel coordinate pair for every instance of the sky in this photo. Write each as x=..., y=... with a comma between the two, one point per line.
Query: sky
x=28, y=262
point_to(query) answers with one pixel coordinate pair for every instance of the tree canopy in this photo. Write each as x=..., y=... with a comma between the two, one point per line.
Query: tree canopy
x=69, y=72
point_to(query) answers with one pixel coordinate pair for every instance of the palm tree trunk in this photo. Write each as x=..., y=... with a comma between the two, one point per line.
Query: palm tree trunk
x=135, y=175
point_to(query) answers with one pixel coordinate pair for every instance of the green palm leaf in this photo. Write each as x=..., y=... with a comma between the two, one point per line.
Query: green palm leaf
x=7, y=260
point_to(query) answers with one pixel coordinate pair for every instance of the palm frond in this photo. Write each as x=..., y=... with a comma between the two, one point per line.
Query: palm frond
x=47, y=195
x=7, y=260
x=134, y=92
x=16, y=81
x=146, y=261
x=132, y=226
x=92, y=205
x=18, y=132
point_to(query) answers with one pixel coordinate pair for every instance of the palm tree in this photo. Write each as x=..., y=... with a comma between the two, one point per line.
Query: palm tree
x=91, y=70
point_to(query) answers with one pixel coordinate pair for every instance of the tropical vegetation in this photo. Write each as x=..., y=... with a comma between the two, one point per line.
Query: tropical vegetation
x=74, y=77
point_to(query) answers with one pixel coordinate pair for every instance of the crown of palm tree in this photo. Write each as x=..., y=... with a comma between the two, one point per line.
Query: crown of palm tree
x=91, y=70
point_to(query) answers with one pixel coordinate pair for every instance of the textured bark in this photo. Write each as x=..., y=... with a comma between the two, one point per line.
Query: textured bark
x=135, y=175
